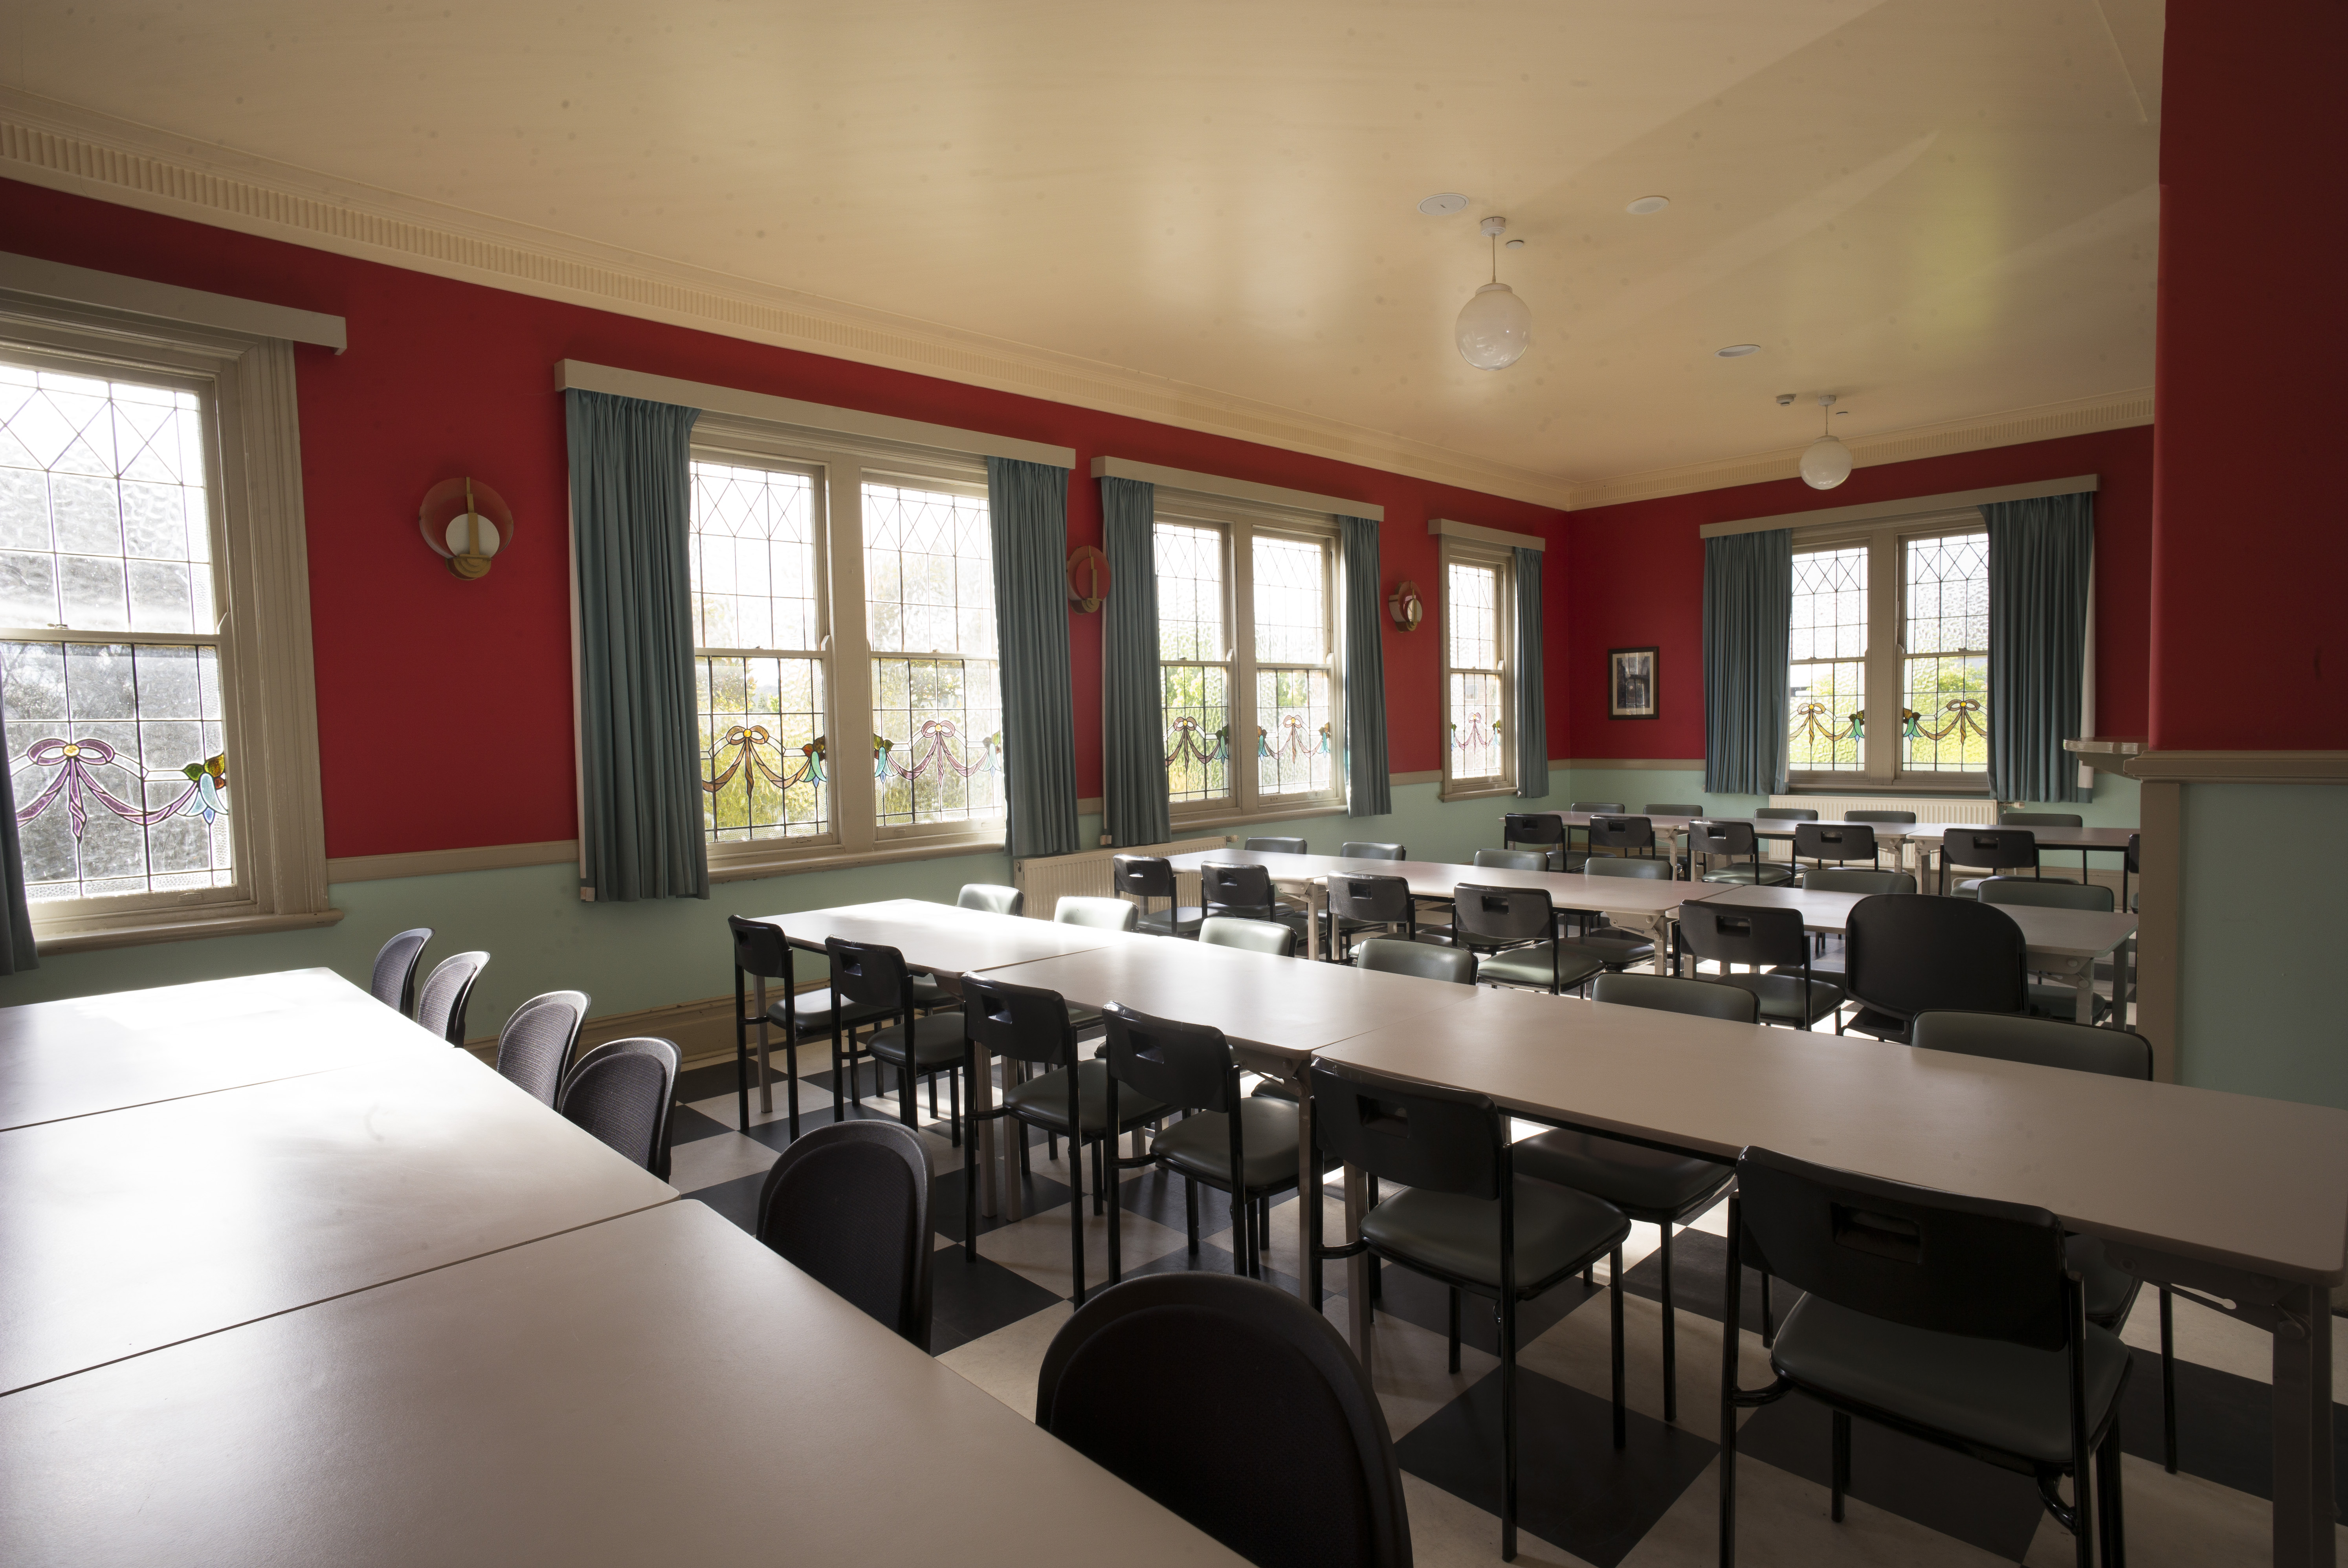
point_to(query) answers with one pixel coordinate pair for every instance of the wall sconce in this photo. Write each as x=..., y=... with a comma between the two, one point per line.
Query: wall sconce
x=1088, y=578
x=1407, y=608
x=466, y=524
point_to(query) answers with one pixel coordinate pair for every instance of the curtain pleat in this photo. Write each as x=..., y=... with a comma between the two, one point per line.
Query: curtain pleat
x=1531, y=714
x=1369, y=787
x=1133, y=728
x=17, y=949
x=2041, y=558
x=1748, y=614
x=1028, y=506
x=639, y=829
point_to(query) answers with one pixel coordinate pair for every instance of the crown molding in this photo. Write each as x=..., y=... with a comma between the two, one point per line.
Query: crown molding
x=2046, y=422
x=56, y=145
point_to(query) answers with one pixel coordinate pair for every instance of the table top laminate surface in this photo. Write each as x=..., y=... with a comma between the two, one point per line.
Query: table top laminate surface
x=88, y=1054
x=943, y=939
x=2108, y=838
x=145, y=1225
x=1436, y=880
x=2229, y=1179
x=2055, y=933
x=588, y=1398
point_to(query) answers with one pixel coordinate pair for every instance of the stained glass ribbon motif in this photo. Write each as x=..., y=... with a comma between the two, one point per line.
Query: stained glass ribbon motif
x=1191, y=739
x=1474, y=734
x=77, y=783
x=1964, y=719
x=744, y=743
x=1293, y=742
x=933, y=753
x=1816, y=720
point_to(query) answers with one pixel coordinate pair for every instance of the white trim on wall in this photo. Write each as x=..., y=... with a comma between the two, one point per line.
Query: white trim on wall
x=166, y=302
x=1447, y=529
x=1167, y=478
x=1905, y=507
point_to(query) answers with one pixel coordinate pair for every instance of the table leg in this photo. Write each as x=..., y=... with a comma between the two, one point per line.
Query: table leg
x=1358, y=1268
x=1316, y=905
x=983, y=1145
x=2303, y=1504
x=1308, y=1189
x=2084, y=1011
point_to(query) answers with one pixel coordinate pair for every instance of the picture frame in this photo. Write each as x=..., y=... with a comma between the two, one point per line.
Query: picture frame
x=1633, y=683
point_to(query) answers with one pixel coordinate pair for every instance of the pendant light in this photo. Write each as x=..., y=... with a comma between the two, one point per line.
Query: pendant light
x=1495, y=327
x=1825, y=463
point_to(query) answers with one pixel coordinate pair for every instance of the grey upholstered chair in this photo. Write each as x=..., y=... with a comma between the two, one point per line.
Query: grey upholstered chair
x=448, y=989
x=394, y=981
x=1399, y=956
x=1251, y=936
x=1274, y=845
x=621, y=1092
x=535, y=1047
x=849, y=1204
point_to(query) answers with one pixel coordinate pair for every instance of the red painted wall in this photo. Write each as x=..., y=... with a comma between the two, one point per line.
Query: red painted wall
x=1636, y=580
x=445, y=706
x=2250, y=553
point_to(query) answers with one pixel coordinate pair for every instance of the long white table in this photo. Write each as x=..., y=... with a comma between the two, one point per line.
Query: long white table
x=1926, y=836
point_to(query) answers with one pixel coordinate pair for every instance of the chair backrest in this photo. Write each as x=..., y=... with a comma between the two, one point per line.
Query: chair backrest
x=2043, y=1041
x=1024, y=1023
x=867, y=974
x=1856, y=880
x=1621, y=833
x=1223, y=885
x=849, y=1204
x=992, y=897
x=2091, y=895
x=1143, y=875
x=394, y=981
x=1744, y=934
x=1189, y=1065
x=1490, y=916
x=1512, y=860
x=1668, y=993
x=1878, y=816
x=1253, y=1363
x=1383, y=900
x=760, y=949
x=1913, y=1256
x=1598, y=806
x=1611, y=866
x=534, y=1047
x=1711, y=836
x=1531, y=827
x=2038, y=819
x=1101, y=914
x=1255, y=935
x=1833, y=841
x=2135, y=852
x=440, y=1005
x=1907, y=956
x=620, y=1091
x=1396, y=956
x=1994, y=847
x=1358, y=849
x=1785, y=813
x=1444, y=1139
x=1654, y=809
x=1275, y=845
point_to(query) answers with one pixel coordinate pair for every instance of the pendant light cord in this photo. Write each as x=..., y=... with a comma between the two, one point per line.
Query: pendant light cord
x=1496, y=258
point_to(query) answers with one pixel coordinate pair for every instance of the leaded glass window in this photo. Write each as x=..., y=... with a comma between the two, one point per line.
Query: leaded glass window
x=1292, y=665
x=1827, y=668
x=1944, y=724
x=937, y=702
x=1194, y=652
x=1471, y=643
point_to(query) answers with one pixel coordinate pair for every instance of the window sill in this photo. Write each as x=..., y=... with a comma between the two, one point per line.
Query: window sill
x=1451, y=792
x=834, y=859
x=1861, y=785
x=1225, y=817
x=154, y=926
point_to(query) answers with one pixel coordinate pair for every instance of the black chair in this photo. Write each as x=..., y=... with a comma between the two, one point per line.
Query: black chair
x=2111, y=1291
x=1270, y=937
x=622, y=1092
x=1609, y=835
x=1907, y=956
x=762, y=953
x=992, y=897
x=869, y=974
x=1731, y=934
x=1275, y=845
x=1245, y=1147
x=535, y=1047
x=1509, y=860
x=1661, y=1189
x=2131, y=865
x=1512, y=931
x=1148, y=876
x=2035, y=819
x=1241, y=892
x=1358, y=904
x=1360, y=849
x=2052, y=1000
x=447, y=990
x=1822, y=844
x=1993, y=850
x=1741, y=846
x=1593, y=808
x=1257, y=1379
x=1541, y=830
x=394, y=981
x=1886, y=816
x=1679, y=839
x=1952, y=1319
x=1787, y=813
x=1673, y=809
x=849, y=1204
x=1616, y=947
x=1467, y=1218
x=1856, y=880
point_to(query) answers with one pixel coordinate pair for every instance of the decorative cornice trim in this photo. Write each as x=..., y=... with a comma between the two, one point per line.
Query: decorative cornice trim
x=441, y=862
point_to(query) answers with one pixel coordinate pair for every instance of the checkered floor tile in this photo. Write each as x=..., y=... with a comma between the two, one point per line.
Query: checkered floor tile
x=1650, y=1505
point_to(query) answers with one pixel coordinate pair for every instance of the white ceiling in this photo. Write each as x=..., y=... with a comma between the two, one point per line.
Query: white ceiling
x=1942, y=210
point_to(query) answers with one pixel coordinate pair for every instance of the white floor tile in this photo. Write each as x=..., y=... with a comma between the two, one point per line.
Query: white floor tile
x=707, y=1161
x=1783, y=1521
x=1005, y=1363
x=1036, y=1248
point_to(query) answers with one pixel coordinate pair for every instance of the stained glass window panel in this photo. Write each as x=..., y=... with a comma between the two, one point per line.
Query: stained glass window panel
x=754, y=558
x=764, y=774
x=1291, y=602
x=1827, y=703
x=1475, y=725
x=1473, y=622
x=1196, y=700
x=1190, y=593
x=937, y=748
x=1825, y=697
x=1294, y=753
x=929, y=571
x=1944, y=719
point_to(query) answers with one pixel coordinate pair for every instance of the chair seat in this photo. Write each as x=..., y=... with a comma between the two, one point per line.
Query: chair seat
x=929, y=993
x=1768, y=874
x=2111, y=1289
x=1179, y=921
x=1881, y=1025
x=1557, y=1231
x=1534, y=964
x=1199, y=1144
x=1646, y=1183
x=1043, y=1101
x=1781, y=996
x=1612, y=946
x=1081, y=1018
x=2062, y=1002
x=1972, y=884
x=814, y=1009
x=937, y=1042
x=1999, y=1395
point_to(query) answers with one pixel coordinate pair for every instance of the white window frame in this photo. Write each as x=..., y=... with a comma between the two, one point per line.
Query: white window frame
x=1239, y=522
x=1886, y=541
x=269, y=689
x=1502, y=561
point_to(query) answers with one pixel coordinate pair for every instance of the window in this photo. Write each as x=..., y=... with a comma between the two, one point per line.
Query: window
x=1901, y=608
x=1246, y=664
x=937, y=718
x=154, y=630
x=1475, y=591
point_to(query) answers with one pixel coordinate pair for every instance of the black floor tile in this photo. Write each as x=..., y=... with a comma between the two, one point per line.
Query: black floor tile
x=1038, y=1194
x=686, y=1125
x=706, y=1082
x=737, y=1200
x=1699, y=1272
x=1414, y=1299
x=971, y=1298
x=1575, y=1489
x=1993, y=1509
x=2225, y=1426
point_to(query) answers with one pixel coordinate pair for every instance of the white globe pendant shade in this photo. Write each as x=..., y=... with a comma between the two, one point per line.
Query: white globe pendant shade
x=1826, y=464
x=1495, y=328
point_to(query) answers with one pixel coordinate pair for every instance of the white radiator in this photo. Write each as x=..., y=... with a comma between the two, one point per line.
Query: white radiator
x=1927, y=809
x=1048, y=879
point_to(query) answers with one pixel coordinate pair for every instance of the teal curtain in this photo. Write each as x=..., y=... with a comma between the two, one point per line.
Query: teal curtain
x=2041, y=556
x=1029, y=504
x=640, y=828
x=16, y=950
x=1369, y=787
x=1532, y=713
x=1133, y=724
x=1748, y=616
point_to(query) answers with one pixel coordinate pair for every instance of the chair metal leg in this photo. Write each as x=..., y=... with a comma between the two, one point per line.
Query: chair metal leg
x=2167, y=1382
x=1842, y=1476
x=904, y=1096
x=791, y=1087
x=1455, y=1328
x=1768, y=1319
x=934, y=1096
x=953, y=1103
x=1077, y=1243
x=1191, y=1209
x=1614, y=1298
x=1101, y=1149
x=1671, y=1346
x=2108, y=1497
x=1508, y=1425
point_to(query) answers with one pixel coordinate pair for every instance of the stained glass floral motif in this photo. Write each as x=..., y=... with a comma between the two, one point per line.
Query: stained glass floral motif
x=1827, y=673
x=1194, y=674
x=1944, y=717
x=1471, y=630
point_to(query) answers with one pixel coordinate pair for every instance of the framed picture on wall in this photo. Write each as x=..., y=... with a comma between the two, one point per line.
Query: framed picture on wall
x=1631, y=691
